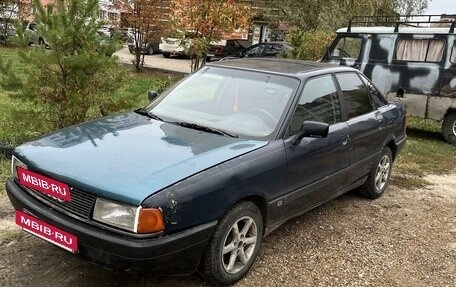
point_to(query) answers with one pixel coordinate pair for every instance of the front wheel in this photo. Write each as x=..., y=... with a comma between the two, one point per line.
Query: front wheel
x=378, y=179
x=449, y=128
x=234, y=245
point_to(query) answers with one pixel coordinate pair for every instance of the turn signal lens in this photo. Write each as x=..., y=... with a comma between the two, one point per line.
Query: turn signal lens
x=150, y=220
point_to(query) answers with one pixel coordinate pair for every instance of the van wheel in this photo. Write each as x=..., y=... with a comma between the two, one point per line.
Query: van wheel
x=379, y=177
x=449, y=128
x=234, y=245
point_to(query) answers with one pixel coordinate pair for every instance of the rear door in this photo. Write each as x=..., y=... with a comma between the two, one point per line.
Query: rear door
x=365, y=122
x=315, y=167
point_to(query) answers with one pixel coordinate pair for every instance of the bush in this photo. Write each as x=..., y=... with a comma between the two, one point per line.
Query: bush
x=309, y=45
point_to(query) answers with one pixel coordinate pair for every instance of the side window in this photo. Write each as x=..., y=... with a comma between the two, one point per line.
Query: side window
x=376, y=97
x=420, y=50
x=453, y=54
x=380, y=47
x=319, y=101
x=255, y=51
x=348, y=47
x=355, y=93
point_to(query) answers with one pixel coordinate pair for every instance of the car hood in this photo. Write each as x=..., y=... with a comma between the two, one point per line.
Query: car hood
x=128, y=157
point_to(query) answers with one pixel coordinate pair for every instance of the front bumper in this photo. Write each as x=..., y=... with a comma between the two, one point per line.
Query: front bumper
x=177, y=254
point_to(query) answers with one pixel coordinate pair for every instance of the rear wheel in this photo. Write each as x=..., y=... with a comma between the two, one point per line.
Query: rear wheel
x=379, y=177
x=166, y=54
x=150, y=49
x=234, y=245
x=449, y=128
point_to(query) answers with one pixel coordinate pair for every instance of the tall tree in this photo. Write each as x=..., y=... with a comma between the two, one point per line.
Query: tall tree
x=146, y=19
x=209, y=19
x=333, y=14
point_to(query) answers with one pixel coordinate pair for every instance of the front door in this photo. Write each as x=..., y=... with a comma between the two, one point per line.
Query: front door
x=315, y=167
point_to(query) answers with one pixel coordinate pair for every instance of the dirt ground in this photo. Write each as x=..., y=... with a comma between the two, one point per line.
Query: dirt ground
x=405, y=238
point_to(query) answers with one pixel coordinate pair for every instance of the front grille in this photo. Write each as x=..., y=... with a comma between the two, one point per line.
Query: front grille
x=80, y=206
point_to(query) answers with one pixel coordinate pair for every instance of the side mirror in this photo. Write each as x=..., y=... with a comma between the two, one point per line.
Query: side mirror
x=152, y=95
x=311, y=129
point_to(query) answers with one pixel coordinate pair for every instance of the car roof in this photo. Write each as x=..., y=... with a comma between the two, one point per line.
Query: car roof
x=280, y=66
x=391, y=30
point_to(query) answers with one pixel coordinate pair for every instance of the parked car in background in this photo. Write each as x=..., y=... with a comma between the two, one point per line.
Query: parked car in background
x=227, y=48
x=195, y=180
x=267, y=50
x=177, y=44
x=106, y=30
x=149, y=48
x=6, y=30
x=34, y=38
x=416, y=64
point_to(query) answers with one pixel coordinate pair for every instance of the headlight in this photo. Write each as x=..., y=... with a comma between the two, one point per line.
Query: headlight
x=127, y=217
x=14, y=164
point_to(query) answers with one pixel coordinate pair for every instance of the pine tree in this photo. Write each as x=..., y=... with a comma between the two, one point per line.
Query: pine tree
x=74, y=73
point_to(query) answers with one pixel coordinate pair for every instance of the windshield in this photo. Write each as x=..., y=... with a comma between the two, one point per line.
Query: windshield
x=242, y=103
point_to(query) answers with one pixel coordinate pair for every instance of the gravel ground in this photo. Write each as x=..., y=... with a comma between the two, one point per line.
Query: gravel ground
x=405, y=238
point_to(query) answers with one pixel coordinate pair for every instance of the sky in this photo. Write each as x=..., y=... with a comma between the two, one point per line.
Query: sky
x=438, y=7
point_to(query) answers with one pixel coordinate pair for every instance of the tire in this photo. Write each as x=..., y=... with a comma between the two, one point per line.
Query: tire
x=233, y=235
x=449, y=128
x=150, y=50
x=379, y=177
x=166, y=54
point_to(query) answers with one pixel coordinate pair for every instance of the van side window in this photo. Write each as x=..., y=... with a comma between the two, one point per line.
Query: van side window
x=355, y=93
x=376, y=97
x=347, y=47
x=420, y=50
x=319, y=102
x=380, y=48
x=453, y=54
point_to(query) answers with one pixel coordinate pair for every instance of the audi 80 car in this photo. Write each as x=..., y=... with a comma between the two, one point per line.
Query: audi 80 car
x=195, y=180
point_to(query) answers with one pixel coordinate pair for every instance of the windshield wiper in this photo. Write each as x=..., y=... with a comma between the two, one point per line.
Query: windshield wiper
x=144, y=112
x=205, y=129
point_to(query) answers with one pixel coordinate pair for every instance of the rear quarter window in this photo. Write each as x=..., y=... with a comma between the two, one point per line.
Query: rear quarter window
x=420, y=50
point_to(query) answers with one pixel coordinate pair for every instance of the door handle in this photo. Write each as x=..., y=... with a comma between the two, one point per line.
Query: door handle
x=345, y=140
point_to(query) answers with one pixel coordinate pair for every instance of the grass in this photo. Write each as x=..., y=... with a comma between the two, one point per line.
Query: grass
x=426, y=152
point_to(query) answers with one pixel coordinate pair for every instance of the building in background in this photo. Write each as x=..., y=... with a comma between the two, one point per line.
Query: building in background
x=109, y=13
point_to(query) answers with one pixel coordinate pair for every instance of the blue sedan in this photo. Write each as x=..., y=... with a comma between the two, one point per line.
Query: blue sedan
x=195, y=180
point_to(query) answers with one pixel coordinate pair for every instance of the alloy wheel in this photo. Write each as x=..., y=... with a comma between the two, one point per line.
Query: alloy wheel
x=382, y=174
x=239, y=245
